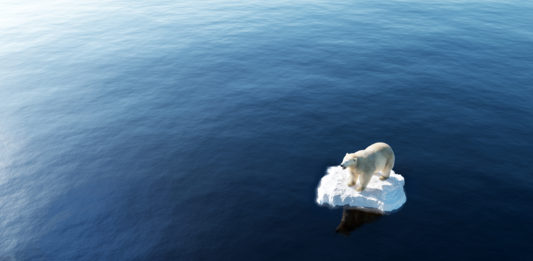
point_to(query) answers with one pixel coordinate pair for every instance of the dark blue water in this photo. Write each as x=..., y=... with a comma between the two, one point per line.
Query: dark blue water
x=199, y=130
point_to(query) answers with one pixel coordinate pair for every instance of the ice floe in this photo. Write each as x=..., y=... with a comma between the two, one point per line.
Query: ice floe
x=380, y=195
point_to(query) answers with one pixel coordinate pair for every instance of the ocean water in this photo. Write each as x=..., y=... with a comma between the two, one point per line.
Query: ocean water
x=199, y=130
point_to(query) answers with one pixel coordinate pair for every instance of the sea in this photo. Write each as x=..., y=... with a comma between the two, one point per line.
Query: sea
x=199, y=130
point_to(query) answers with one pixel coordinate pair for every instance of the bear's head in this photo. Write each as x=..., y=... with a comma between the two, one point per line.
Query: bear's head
x=349, y=162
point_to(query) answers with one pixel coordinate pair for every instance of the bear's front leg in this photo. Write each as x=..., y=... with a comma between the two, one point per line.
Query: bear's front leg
x=353, y=180
x=363, y=182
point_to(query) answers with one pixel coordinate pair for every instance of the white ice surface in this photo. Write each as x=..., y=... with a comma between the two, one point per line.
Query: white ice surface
x=382, y=195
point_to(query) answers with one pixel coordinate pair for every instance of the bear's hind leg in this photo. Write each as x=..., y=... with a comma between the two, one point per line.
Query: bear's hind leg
x=385, y=173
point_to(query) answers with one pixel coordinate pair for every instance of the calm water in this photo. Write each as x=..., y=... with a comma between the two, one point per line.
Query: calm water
x=199, y=130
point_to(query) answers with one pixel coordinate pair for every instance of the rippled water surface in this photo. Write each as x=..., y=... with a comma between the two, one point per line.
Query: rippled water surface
x=198, y=130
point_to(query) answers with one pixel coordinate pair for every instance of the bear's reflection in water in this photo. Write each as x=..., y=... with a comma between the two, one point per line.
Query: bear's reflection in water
x=353, y=218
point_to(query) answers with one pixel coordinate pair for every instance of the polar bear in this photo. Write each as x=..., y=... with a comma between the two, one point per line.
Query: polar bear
x=365, y=163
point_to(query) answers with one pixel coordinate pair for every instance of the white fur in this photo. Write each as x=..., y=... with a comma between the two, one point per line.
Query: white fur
x=377, y=157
